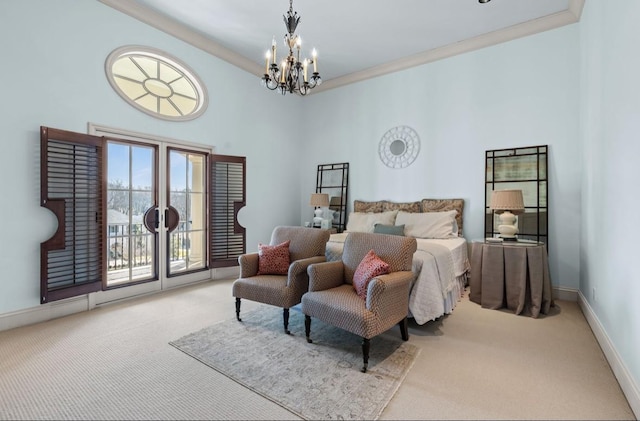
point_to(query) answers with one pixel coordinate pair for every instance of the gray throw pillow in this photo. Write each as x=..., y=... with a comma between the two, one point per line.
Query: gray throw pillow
x=388, y=229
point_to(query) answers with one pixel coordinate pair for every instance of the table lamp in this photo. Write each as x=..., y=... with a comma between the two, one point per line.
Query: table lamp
x=507, y=204
x=319, y=201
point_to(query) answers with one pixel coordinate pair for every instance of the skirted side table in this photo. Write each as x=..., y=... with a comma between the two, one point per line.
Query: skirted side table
x=512, y=275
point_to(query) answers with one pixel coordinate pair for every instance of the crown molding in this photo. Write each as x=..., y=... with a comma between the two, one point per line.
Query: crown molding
x=180, y=31
x=575, y=7
x=553, y=21
x=184, y=33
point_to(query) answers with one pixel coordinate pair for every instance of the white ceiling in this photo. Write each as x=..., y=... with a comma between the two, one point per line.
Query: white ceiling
x=355, y=39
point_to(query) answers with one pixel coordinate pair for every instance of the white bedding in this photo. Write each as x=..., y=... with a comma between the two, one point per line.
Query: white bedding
x=440, y=267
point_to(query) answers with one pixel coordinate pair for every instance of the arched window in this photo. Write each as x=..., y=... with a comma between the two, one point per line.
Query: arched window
x=156, y=83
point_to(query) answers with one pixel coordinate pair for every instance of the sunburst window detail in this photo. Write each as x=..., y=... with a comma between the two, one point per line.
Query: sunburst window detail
x=156, y=83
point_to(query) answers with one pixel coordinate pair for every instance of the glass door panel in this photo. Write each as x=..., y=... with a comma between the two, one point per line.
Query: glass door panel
x=131, y=248
x=186, y=186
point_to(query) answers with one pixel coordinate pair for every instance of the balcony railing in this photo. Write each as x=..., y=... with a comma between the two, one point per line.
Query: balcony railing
x=133, y=246
x=129, y=246
x=131, y=252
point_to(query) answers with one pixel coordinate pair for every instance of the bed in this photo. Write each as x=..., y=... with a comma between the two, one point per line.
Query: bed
x=441, y=261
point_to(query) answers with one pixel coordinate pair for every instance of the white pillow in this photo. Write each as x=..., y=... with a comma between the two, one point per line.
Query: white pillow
x=365, y=221
x=429, y=224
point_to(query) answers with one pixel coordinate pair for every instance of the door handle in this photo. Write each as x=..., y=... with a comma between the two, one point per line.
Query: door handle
x=151, y=219
x=171, y=218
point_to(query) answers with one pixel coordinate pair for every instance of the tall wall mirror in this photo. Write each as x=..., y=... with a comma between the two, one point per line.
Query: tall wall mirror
x=519, y=169
x=333, y=179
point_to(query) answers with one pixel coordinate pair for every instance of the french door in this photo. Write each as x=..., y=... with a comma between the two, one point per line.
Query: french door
x=186, y=202
x=153, y=213
x=132, y=190
x=145, y=212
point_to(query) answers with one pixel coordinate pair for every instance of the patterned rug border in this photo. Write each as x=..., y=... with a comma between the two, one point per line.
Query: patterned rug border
x=299, y=339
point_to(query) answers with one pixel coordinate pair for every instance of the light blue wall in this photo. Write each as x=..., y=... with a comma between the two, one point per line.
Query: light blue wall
x=610, y=129
x=52, y=74
x=521, y=93
x=575, y=88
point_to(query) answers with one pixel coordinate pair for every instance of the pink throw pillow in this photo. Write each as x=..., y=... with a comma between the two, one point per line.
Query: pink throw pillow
x=273, y=260
x=370, y=267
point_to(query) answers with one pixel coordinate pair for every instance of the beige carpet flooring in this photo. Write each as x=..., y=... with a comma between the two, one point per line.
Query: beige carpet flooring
x=115, y=362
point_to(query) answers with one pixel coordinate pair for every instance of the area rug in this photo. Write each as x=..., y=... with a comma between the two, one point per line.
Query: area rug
x=321, y=380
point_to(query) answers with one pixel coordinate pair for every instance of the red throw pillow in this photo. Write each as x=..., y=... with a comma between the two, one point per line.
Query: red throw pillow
x=370, y=267
x=273, y=260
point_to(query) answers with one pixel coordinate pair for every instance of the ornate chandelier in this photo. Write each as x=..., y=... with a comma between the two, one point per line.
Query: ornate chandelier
x=293, y=77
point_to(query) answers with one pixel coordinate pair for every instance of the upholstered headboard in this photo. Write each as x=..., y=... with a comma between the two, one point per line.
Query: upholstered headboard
x=424, y=205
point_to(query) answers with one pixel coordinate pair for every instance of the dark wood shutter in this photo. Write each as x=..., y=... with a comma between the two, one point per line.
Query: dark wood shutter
x=71, y=186
x=228, y=196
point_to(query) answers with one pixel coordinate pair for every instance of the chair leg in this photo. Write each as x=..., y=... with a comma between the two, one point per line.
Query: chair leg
x=307, y=327
x=285, y=319
x=366, y=345
x=404, y=329
x=238, y=309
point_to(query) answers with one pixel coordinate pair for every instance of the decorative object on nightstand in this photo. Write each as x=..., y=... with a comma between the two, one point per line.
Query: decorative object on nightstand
x=508, y=204
x=327, y=215
x=325, y=224
x=320, y=201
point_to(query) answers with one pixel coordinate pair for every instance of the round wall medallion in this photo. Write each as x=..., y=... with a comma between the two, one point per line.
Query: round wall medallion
x=399, y=147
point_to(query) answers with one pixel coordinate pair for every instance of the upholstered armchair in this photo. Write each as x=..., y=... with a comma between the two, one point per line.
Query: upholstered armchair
x=277, y=274
x=338, y=296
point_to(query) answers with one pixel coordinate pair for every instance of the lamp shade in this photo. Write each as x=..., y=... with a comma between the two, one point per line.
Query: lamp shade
x=319, y=200
x=511, y=200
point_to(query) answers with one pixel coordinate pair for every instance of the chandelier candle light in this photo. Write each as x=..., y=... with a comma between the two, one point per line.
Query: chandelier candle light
x=293, y=76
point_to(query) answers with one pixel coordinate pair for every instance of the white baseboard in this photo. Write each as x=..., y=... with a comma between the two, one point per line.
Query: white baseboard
x=44, y=312
x=56, y=309
x=62, y=308
x=626, y=381
x=565, y=294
